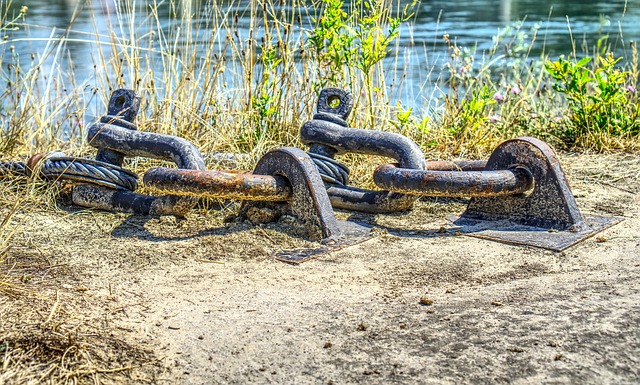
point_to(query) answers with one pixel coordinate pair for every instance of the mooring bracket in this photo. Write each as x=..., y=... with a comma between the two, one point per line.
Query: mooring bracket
x=546, y=216
x=309, y=203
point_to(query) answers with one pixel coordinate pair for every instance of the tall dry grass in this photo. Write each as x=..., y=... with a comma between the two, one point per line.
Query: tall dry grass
x=199, y=75
x=245, y=88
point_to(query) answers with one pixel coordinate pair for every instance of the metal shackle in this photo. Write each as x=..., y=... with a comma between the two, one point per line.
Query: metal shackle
x=116, y=136
x=328, y=134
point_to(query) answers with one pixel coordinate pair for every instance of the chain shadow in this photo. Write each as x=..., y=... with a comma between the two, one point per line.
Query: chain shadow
x=135, y=225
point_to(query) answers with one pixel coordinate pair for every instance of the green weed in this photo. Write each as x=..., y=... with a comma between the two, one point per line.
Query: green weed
x=349, y=46
x=602, y=99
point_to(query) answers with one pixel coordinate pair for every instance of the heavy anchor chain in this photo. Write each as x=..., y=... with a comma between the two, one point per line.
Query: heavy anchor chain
x=284, y=182
x=328, y=135
x=116, y=136
x=518, y=166
x=521, y=183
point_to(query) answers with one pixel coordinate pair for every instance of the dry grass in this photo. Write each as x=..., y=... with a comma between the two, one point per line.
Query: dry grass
x=49, y=330
x=203, y=78
x=49, y=335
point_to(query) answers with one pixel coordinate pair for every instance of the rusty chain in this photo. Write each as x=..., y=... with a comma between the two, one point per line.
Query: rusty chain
x=289, y=181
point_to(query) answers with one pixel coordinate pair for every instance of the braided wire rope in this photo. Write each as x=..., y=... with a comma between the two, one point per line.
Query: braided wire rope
x=91, y=171
x=13, y=168
x=77, y=169
x=330, y=169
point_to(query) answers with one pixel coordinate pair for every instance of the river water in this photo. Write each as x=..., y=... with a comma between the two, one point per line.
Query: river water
x=470, y=23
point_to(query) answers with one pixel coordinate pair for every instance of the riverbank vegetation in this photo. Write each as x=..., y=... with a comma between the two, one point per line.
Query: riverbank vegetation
x=200, y=78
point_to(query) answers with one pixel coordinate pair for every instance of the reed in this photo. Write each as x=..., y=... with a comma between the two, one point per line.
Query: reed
x=200, y=78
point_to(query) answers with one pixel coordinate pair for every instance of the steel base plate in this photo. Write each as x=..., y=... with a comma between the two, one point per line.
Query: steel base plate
x=350, y=234
x=507, y=232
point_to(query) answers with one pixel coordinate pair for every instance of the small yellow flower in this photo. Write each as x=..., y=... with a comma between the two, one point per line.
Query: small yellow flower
x=24, y=9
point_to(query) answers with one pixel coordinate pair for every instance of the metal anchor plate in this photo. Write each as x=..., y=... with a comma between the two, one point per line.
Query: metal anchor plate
x=350, y=234
x=551, y=239
x=547, y=217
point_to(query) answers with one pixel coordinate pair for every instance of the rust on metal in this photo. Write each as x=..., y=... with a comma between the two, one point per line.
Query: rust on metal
x=309, y=203
x=453, y=183
x=33, y=161
x=369, y=201
x=456, y=165
x=218, y=184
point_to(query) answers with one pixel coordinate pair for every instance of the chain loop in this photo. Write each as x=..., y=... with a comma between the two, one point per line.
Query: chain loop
x=328, y=134
x=116, y=136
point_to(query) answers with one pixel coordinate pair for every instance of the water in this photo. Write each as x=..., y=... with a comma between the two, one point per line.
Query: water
x=423, y=51
x=477, y=21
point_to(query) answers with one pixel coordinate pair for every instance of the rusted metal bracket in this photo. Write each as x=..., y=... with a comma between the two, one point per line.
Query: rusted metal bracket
x=285, y=182
x=546, y=216
x=328, y=134
x=309, y=202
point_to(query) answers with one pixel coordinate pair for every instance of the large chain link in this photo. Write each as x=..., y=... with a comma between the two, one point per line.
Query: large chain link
x=116, y=136
x=328, y=135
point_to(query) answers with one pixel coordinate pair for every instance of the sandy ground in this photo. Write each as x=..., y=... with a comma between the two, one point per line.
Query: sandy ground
x=196, y=301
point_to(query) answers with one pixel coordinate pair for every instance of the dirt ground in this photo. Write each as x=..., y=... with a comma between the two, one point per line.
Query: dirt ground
x=197, y=301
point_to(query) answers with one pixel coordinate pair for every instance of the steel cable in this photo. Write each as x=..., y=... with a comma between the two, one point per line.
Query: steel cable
x=13, y=168
x=76, y=169
x=330, y=169
x=91, y=171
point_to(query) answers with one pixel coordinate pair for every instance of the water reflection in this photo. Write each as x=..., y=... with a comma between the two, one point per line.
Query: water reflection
x=505, y=11
x=471, y=23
